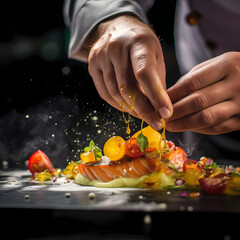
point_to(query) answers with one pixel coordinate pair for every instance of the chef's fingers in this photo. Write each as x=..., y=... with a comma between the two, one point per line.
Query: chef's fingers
x=209, y=117
x=201, y=99
x=150, y=73
x=103, y=91
x=230, y=125
x=102, y=72
x=130, y=89
x=197, y=80
x=109, y=78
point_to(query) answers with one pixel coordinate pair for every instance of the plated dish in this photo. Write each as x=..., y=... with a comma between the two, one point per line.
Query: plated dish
x=145, y=160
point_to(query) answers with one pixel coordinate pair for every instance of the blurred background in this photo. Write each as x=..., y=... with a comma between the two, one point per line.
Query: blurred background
x=48, y=101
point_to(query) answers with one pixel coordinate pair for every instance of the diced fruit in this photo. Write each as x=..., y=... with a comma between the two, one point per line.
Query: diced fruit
x=88, y=157
x=192, y=176
x=68, y=171
x=114, y=148
x=233, y=186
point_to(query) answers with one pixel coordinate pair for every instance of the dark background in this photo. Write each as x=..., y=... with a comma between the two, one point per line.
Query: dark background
x=48, y=101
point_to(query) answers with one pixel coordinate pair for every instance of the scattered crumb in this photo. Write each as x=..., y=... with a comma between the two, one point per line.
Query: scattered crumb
x=27, y=196
x=92, y=195
x=181, y=208
x=190, y=208
x=67, y=195
x=140, y=197
x=147, y=219
x=162, y=206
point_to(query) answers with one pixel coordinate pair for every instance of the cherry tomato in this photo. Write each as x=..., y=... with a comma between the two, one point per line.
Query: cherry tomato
x=132, y=148
x=38, y=162
x=192, y=164
x=215, y=185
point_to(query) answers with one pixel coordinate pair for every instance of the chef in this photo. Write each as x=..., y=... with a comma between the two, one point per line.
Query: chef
x=126, y=63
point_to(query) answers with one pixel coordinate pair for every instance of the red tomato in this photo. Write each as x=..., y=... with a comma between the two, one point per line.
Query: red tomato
x=192, y=164
x=132, y=148
x=38, y=162
x=177, y=156
x=215, y=185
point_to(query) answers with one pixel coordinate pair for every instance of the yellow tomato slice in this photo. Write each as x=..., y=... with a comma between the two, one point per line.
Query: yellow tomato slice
x=153, y=137
x=114, y=148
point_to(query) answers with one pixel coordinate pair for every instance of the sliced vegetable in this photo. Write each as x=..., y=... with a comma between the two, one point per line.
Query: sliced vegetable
x=114, y=148
x=132, y=148
x=179, y=182
x=192, y=164
x=215, y=185
x=38, y=162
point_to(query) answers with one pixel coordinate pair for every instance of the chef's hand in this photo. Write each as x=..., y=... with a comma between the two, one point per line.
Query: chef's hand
x=207, y=99
x=127, y=66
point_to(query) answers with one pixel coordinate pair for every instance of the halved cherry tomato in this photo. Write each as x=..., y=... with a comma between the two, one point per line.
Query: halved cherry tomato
x=215, y=185
x=192, y=164
x=132, y=148
x=38, y=162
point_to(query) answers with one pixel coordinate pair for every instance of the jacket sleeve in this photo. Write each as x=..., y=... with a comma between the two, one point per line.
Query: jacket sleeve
x=82, y=16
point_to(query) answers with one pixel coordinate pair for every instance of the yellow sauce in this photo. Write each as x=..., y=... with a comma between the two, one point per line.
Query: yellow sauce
x=163, y=149
x=158, y=179
x=116, y=183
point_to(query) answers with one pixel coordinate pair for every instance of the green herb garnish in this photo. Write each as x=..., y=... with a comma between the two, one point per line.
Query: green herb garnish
x=142, y=140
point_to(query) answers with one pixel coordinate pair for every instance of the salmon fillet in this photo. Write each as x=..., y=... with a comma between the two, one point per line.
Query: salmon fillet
x=126, y=167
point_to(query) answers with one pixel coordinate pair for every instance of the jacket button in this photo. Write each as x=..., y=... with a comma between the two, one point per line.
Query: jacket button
x=211, y=44
x=193, y=17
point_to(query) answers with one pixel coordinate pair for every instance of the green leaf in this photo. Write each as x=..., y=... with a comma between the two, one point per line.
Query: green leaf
x=87, y=149
x=142, y=142
x=97, y=151
x=91, y=144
